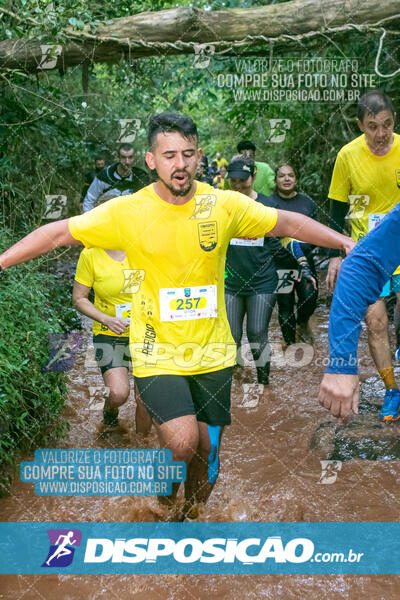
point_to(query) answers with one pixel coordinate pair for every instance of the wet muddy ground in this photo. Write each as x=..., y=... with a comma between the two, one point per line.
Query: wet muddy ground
x=270, y=471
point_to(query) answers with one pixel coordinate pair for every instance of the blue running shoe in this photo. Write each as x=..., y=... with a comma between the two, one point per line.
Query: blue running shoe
x=391, y=405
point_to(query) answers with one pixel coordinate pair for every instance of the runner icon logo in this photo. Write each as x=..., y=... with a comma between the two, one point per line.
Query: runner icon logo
x=63, y=543
x=278, y=127
x=330, y=470
x=55, y=205
x=286, y=280
x=63, y=347
x=358, y=204
x=132, y=280
x=251, y=395
x=203, y=206
x=50, y=54
x=202, y=55
x=129, y=129
x=97, y=396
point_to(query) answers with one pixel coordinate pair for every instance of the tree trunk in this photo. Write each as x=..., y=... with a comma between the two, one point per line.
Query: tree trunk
x=175, y=31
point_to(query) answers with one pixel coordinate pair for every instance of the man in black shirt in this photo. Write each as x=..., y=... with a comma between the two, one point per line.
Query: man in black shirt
x=294, y=320
x=117, y=179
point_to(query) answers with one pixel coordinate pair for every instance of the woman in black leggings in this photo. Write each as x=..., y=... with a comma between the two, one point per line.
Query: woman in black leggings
x=251, y=276
x=294, y=319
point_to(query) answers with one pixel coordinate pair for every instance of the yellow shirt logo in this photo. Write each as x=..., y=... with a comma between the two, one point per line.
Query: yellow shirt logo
x=208, y=235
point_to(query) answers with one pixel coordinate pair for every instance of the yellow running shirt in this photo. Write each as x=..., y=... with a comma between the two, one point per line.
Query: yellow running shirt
x=97, y=270
x=177, y=259
x=369, y=183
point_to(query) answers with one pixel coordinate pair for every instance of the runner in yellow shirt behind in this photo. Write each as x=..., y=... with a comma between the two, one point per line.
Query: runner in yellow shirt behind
x=366, y=181
x=107, y=272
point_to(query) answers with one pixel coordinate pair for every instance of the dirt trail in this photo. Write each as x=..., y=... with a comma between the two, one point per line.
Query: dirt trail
x=270, y=471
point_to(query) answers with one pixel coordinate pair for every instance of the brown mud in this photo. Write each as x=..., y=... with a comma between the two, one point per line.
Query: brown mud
x=270, y=471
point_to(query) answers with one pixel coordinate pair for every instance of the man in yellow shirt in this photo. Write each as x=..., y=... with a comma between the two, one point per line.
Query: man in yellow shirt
x=366, y=180
x=220, y=160
x=175, y=234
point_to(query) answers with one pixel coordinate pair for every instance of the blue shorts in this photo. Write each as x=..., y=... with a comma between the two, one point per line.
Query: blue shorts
x=392, y=285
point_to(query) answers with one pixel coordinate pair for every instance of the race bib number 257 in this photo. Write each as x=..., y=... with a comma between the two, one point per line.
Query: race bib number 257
x=182, y=304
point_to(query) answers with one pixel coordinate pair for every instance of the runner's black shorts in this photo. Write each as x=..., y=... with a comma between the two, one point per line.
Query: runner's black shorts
x=112, y=351
x=207, y=395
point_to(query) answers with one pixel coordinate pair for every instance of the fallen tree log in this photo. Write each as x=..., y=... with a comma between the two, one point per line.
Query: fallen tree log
x=176, y=31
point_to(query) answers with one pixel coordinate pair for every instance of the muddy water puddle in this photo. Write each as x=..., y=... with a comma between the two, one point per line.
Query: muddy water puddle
x=270, y=471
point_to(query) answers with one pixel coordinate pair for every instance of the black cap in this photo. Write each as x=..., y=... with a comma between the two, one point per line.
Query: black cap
x=241, y=168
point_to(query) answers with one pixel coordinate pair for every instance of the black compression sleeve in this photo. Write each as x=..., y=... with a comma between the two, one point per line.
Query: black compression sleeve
x=336, y=220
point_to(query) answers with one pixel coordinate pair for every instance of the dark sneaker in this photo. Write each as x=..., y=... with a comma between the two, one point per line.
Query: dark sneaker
x=110, y=416
x=263, y=374
x=391, y=405
x=304, y=333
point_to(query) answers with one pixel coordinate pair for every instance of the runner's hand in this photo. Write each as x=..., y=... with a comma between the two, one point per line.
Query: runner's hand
x=333, y=272
x=307, y=274
x=348, y=245
x=339, y=394
x=116, y=325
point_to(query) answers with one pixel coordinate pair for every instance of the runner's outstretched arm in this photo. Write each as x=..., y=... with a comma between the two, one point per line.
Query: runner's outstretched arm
x=38, y=242
x=360, y=281
x=300, y=227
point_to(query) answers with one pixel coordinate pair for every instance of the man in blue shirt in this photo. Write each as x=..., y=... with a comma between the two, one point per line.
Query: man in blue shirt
x=360, y=281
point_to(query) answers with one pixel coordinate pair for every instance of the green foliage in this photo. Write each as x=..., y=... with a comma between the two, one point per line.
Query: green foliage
x=52, y=129
x=33, y=304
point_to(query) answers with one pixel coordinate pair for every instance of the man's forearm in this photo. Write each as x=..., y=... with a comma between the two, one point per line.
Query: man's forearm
x=300, y=227
x=38, y=242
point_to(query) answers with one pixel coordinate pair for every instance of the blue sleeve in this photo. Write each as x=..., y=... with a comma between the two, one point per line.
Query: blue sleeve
x=295, y=248
x=361, y=279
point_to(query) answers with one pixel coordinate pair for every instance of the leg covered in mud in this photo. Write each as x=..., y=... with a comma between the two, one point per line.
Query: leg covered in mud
x=203, y=469
x=190, y=413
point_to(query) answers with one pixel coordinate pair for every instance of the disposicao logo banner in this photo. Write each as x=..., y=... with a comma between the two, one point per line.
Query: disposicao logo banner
x=200, y=548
